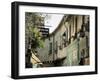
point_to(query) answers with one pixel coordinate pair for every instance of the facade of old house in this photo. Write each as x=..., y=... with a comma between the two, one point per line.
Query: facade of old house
x=68, y=44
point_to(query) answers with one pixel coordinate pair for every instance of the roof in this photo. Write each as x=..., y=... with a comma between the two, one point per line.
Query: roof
x=65, y=18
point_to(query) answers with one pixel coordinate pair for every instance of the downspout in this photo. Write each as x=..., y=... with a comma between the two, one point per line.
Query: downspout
x=53, y=47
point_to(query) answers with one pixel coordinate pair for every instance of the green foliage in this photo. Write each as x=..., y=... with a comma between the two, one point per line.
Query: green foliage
x=36, y=38
x=33, y=37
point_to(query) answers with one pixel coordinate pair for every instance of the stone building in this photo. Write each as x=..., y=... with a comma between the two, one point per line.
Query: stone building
x=68, y=44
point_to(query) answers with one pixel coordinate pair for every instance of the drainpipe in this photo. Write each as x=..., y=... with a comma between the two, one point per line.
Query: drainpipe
x=53, y=47
x=78, y=51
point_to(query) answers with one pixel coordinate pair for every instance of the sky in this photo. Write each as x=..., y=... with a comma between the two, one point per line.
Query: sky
x=53, y=21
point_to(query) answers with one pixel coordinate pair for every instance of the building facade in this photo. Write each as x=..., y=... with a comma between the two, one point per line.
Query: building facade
x=68, y=44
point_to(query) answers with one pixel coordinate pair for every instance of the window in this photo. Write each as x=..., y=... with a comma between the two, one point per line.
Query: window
x=60, y=47
x=50, y=48
x=87, y=42
x=64, y=39
x=69, y=34
x=56, y=47
x=83, y=19
x=76, y=24
x=72, y=24
x=87, y=25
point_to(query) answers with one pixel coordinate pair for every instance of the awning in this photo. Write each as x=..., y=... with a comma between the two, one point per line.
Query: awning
x=35, y=60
